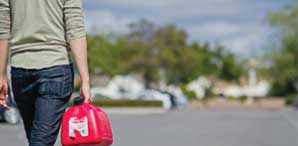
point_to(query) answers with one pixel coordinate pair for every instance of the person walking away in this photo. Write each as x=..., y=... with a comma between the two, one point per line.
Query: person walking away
x=39, y=37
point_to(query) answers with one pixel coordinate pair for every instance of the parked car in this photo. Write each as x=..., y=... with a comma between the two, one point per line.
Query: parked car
x=10, y=115
x=178, y=102
x=150, y=94
x=98, y=95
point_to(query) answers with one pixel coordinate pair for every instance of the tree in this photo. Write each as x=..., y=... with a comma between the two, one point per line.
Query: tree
x=149, y=48
x=230, y=69
x=103, y=56
x=284, y=58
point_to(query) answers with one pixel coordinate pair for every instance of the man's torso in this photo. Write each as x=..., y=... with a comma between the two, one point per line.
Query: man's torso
x=38, y=34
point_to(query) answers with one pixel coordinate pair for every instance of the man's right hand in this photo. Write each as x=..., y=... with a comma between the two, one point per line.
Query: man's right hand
x=86, y=92
x=3, y=92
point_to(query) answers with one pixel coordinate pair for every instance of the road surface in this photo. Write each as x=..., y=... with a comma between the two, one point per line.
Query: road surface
x=204, y=127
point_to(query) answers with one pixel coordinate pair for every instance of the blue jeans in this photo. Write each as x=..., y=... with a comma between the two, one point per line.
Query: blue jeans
x=42, y=97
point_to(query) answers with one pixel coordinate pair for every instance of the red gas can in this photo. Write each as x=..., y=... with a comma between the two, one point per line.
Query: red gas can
x=85, y=125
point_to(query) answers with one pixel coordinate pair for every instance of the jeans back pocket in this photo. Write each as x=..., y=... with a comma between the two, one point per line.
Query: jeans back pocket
x=51, y=88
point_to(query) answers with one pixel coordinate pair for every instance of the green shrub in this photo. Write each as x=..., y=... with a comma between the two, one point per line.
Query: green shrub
x=127, y=103
x=210, y=93
x=243, y=98
x=231, y=97
x=290, y=100
x=191, y=95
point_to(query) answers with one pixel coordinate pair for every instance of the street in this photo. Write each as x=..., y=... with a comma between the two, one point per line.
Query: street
x=192, y=127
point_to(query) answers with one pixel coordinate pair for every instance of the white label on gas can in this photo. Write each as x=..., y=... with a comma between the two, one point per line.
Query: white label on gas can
x=80, y=125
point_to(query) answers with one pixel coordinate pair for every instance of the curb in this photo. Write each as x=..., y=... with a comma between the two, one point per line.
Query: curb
x=133, y=111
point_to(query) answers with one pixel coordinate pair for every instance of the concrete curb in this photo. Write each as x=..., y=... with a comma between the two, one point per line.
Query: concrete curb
x=133, y=111
x=232, y=104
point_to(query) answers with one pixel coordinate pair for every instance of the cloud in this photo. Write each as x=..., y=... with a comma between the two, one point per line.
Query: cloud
x=135, y=3
x=249, y=43
x=215, y=30
x=244, y=40
x=105, y=22
x=237, y=24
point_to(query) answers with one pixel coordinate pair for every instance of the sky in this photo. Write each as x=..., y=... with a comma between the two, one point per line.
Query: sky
x=238, y=25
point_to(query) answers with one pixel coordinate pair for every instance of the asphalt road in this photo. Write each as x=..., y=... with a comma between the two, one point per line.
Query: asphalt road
x=242, y=127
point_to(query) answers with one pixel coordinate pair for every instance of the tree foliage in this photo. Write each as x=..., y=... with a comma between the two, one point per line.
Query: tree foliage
x=284, y=59
x=148, y=48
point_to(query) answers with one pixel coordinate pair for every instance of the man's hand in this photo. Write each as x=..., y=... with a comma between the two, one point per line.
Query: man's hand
x=3, y=92
x=86, y=92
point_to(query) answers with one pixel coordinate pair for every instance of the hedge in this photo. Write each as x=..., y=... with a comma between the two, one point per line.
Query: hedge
x=291, y=100
x=191, y=95
x=127, y=103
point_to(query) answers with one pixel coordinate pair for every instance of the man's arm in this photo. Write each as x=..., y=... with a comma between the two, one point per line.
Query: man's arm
x=79, y=51
x=76, y=37
x=3, y=65
x=4, y=44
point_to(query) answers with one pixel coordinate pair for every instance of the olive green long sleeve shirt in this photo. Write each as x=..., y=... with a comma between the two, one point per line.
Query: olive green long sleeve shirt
x=39, y=30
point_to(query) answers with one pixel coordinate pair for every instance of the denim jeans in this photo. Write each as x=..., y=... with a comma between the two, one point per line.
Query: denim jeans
x=42, y=97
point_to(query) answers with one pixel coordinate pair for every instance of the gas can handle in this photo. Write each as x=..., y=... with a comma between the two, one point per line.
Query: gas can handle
x=78, y=100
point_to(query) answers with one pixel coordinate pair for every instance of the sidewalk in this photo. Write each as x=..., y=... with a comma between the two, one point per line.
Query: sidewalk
x=236, y=104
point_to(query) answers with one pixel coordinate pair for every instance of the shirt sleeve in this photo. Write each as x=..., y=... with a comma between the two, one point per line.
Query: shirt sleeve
x=5, y=20
x=73, y=19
